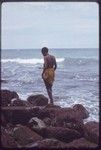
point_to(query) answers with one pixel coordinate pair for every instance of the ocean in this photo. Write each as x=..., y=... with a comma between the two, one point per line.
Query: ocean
x=76, y=79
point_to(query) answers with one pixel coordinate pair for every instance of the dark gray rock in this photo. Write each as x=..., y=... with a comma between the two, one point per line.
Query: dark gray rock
x=6, y=97
x=17, y=114
x=7, y=141
x=81, y=143
x=51, y=143
x=23, y=135
x=17, y=102
x=81, y=111
x=91, y=131
x=47, y=121
x=60, y=133
x=38, y=100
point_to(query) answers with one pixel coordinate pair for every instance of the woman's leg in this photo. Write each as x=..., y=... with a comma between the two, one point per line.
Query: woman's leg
x=49, y=91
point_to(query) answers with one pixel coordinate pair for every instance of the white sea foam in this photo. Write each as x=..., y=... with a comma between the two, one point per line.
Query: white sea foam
x=29, y=61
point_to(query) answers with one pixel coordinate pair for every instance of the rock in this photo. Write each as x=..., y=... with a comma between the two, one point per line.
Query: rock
x=62, y=134
x=81, y=111
x=60, y=116
x=7, y=141
x=64, y=115
x=17, y=102
x=38, y=100
x=23, y=135
x=91, y=131
x=36, y=122
x=17, y=114
x=75, y=114
x=41, y=131
x=3, y=120
x=43, y=113
x=47, y=121
x=6, y=97
x=27, y=104
x=32, y=145
x=9, y=128
x=81, y=143
x=47, y=143
x=76, y=126
x=54, y=143
x=47, y=112
x=35, y=111
x=50, y=143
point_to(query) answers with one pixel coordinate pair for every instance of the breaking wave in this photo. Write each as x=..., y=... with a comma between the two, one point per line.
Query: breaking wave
x=29, y=61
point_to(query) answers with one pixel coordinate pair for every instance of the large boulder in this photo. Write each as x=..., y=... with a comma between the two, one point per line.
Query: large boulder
x=81, y=111
x=38, y=100
x=91, y=131
x=7, y=141
x=6, y=97
x=81, y=143
x=23, y=135
x=62, y=134
x=66, y=115
x=60, y=116
x=74, y=115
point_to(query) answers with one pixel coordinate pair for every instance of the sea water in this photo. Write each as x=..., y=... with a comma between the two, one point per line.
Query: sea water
x=76, y=79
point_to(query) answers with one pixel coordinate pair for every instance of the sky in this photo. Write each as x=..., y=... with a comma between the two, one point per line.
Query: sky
x=53, y=24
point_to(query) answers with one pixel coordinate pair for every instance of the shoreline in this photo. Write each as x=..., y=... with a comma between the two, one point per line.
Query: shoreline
x=35, y=123
x=57, y=101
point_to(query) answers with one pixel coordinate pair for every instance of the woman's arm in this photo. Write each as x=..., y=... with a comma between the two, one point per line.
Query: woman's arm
x=44, y=65
x=55, y=64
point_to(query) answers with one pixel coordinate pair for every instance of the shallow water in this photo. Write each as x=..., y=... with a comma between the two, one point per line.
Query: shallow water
x=77, y=76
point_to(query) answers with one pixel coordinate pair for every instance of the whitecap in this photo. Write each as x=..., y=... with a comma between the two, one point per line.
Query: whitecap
x=29, y=61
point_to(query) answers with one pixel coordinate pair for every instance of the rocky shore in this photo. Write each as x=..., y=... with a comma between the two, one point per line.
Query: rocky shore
x=36, y=124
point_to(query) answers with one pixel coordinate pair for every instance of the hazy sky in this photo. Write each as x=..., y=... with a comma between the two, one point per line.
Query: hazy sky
x=52, y=24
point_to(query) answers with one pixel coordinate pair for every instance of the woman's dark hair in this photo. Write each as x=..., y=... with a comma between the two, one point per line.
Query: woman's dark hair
x=44, y=50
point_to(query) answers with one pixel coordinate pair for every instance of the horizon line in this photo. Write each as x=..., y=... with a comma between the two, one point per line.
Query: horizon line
x=49, y=48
